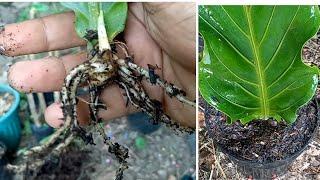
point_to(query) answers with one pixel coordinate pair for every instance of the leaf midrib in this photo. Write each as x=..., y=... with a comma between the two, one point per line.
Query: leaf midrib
x=259, y=70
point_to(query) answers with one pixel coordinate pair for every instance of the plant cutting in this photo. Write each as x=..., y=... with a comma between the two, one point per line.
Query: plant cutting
x=108, y=63
x=260, y=91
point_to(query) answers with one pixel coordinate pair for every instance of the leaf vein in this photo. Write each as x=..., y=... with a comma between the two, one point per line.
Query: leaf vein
x=288, y=87
x=235, y=22
x=287, y=69
x=234, y=103
x=263, y=92
x=267, y=27
x=233, y=47
x=229, y=68
x=280, y=44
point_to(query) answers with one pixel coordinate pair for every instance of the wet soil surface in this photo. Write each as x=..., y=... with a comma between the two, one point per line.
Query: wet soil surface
x=263, y=141
x=214, y=164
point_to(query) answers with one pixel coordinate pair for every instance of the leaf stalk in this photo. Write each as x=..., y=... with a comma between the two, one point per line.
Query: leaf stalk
x=102, y=34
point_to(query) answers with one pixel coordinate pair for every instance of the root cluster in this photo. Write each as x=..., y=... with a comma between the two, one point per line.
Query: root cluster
x=103, y=69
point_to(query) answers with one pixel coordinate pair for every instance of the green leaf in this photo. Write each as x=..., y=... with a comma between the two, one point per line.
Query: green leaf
x=115, y=15
x=40, y=7
x=24, y=14
x=251, y=66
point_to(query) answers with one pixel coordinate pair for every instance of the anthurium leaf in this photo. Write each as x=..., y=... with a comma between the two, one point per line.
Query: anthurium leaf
x=115, y=15
x=251, y=66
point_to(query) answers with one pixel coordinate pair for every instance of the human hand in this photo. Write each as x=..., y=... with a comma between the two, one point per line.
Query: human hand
x=161, y=34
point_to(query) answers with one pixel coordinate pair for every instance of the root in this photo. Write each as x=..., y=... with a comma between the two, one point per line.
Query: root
x=169, y=88
x=89, y=103
x=37, y=163
x=139, y=98
x=102, y=70
x=53, y=139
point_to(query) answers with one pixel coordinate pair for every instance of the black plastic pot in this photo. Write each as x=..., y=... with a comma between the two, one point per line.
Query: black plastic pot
x=41, y=132
x=264, y=170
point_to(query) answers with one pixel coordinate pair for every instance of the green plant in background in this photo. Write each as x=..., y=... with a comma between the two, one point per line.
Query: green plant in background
x=251, y=66
x=37, y=7
x=41, y=9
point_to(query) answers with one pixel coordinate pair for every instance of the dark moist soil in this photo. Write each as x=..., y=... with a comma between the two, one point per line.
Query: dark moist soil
x=262, y=140
x=67, y=166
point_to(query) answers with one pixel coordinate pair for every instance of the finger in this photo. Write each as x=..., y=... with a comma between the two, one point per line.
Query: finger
x=52, y=32
x=43, y=75
x=112, y=97
x=167, y=20
x=54, y=116
x=145, y=51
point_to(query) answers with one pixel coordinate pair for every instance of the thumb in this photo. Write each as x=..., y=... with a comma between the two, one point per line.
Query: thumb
x=113, y=99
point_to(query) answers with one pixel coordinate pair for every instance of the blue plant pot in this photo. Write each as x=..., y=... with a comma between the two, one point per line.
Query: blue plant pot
x=10, y=128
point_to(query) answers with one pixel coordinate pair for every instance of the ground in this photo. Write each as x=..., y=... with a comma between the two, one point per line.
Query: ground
x=164, y=155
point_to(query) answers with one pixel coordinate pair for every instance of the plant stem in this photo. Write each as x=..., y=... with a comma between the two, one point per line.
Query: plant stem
x=102, y=34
